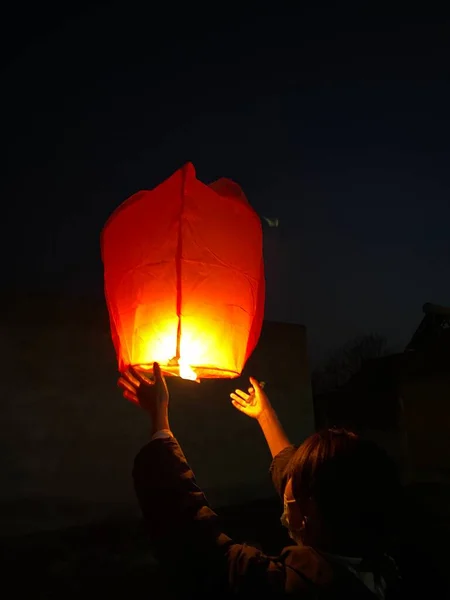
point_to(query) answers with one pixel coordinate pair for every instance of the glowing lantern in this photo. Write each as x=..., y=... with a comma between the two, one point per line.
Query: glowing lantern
x=184, y=278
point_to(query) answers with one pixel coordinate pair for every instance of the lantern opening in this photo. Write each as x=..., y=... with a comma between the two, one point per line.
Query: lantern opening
x=175, y=366
x=180, y=369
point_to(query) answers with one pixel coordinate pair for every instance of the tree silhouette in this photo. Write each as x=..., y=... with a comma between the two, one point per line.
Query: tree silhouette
x=342, y=363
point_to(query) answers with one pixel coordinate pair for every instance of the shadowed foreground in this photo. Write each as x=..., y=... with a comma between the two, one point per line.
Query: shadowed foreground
x=115, y=556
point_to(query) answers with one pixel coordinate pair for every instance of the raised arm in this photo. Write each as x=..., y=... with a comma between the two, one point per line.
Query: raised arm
x=186, y=533
x=256, y=405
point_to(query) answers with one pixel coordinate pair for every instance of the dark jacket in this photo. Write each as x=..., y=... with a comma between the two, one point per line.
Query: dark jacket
x=201, y=560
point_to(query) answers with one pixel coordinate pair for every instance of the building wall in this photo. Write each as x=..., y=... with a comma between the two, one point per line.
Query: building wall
x=69, y=438
x=427, y=423
x=401, y=402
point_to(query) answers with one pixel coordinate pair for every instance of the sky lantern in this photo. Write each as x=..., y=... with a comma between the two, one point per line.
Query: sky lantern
x=184, y=278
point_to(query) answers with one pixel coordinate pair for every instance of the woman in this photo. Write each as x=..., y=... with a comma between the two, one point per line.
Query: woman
x=336, y=491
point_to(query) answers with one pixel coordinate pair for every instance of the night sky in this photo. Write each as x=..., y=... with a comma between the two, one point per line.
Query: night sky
x=334, y=121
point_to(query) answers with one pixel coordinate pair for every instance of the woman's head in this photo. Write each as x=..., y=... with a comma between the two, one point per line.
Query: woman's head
x=340, y=492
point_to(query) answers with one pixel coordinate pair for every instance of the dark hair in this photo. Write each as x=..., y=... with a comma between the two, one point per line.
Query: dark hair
x=354, y=485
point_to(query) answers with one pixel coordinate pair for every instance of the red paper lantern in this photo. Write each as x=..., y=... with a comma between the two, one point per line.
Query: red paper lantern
x=184, y=278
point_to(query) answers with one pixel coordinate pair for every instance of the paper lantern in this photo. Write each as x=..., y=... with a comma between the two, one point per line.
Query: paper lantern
x=184, y=278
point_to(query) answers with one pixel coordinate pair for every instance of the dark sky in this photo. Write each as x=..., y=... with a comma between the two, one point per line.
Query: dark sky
x=334, y=121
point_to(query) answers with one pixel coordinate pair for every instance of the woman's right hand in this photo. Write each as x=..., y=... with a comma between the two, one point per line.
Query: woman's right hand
x=152, y=396
x=255, y=403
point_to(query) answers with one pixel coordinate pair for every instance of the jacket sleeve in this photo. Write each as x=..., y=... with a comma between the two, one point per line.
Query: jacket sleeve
x=186, y=533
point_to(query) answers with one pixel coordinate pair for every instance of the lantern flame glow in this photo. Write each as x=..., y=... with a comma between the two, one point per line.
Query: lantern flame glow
x=162, y=350
x=186, y=372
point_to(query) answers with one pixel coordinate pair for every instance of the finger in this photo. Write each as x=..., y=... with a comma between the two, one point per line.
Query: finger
x=157, y=373
x=160, y=380
x=131, y=397
x=136, y=377
x=130, y=375
x=126, y=385
x=252, y=401
x=237, y=400
x=255, y=384
x=252, y=397
x=238, y=406
x=242, y=395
